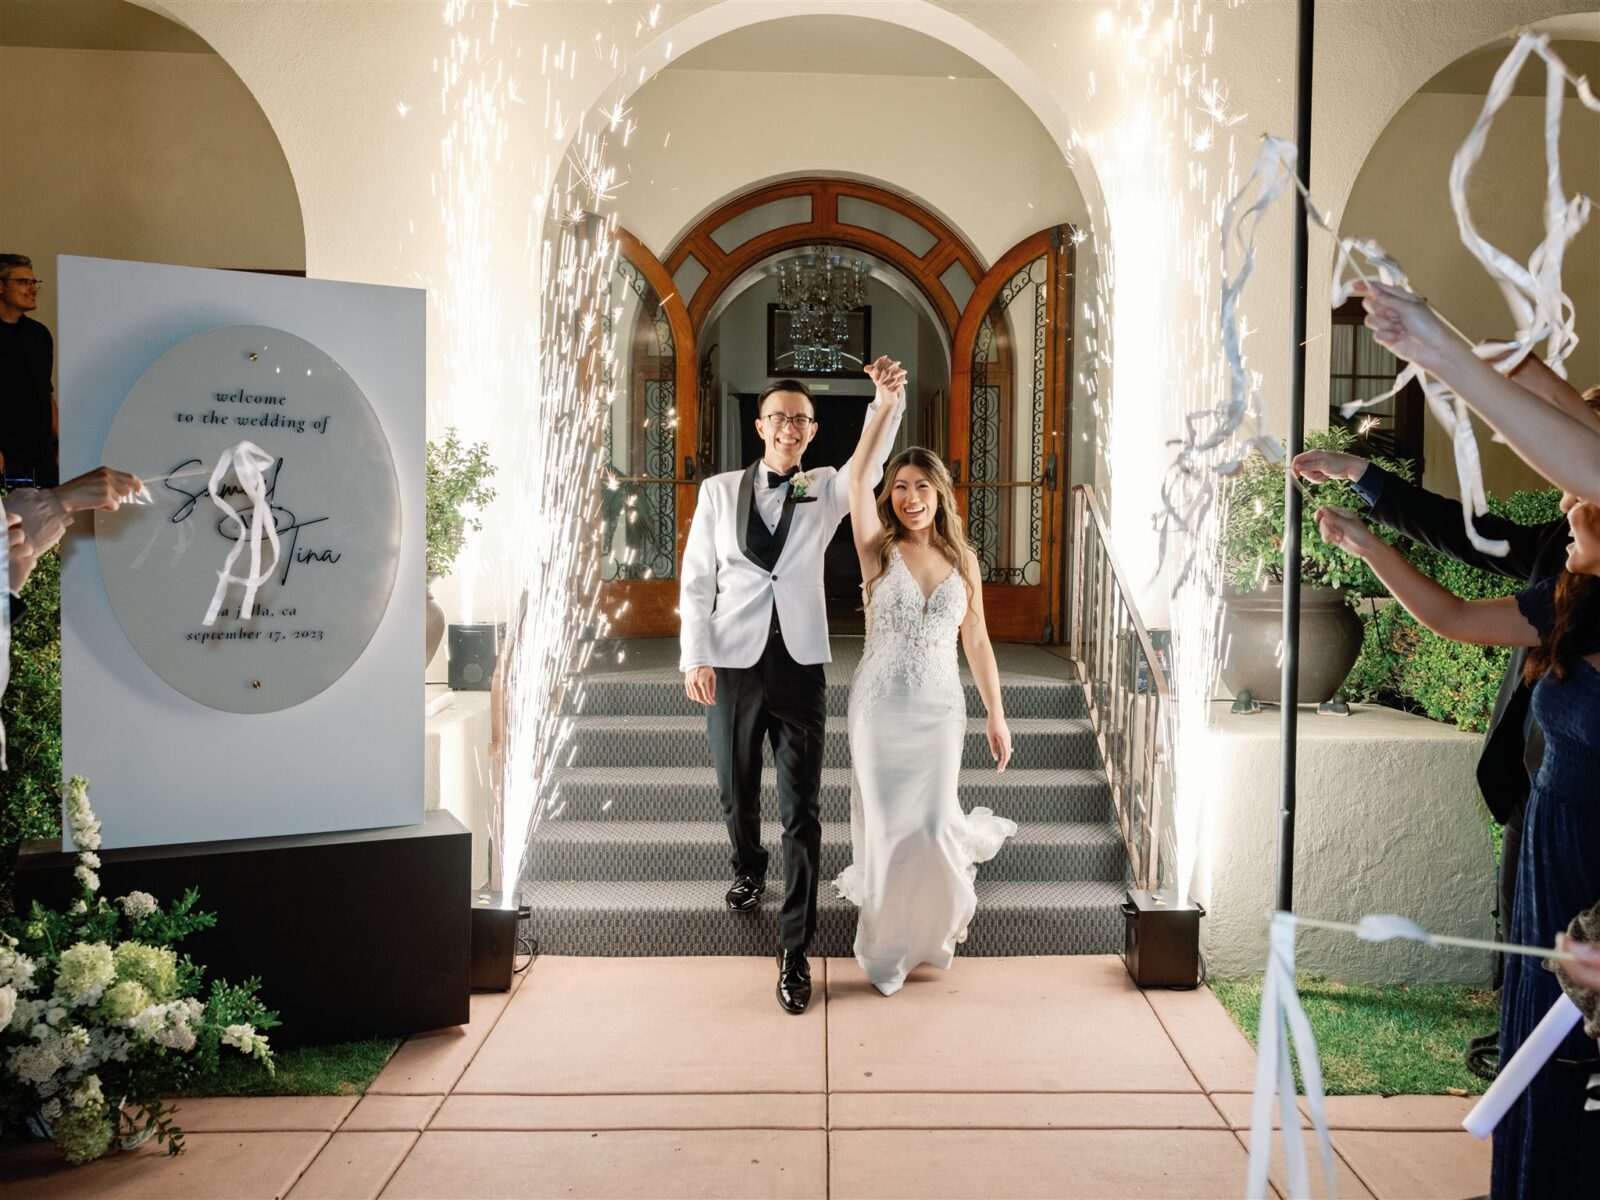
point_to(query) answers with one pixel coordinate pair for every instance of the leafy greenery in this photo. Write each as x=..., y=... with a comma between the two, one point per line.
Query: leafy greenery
x=103, y=1018
x=1406, y=666
x=1253, y=534
x=457, y=483
x=31, y=807
x=1381, y=1041
x=343, y=1069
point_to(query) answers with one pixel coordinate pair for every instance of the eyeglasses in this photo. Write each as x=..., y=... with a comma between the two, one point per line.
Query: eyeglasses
x=27, y=283
x=776, y=421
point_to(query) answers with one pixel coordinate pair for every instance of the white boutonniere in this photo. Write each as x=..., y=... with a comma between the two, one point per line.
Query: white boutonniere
x=799, y=484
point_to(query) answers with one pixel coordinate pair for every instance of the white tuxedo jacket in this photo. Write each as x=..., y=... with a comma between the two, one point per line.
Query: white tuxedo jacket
x=726, y=595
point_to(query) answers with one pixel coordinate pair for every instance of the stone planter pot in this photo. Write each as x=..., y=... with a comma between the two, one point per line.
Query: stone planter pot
x=1252, y=631
x=436, y=625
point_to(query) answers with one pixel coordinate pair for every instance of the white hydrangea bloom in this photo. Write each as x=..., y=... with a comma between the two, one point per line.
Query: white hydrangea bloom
x=167, y=1024
x=8, y=1004
x=90, y=859
x=27, y=1013
x=138, y=905
x=88, y=878
x=16, y=969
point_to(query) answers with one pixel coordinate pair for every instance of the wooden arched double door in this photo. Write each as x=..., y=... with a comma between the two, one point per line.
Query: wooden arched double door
x=1004, y=428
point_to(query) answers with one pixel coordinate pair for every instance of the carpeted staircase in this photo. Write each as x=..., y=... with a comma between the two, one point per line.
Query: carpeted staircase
x=632, y=858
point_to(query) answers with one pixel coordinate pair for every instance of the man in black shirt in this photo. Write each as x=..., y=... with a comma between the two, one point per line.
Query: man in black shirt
x=27, y=397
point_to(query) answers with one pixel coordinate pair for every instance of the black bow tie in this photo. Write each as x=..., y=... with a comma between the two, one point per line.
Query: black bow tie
x=774, y=479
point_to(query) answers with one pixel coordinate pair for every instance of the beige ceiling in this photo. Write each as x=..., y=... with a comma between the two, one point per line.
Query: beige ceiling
x=831, y=46
x=92, y=25
x=1472, y=74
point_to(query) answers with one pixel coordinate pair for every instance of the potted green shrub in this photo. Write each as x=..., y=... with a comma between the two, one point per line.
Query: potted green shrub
x=1330, y=579
x=457, y=489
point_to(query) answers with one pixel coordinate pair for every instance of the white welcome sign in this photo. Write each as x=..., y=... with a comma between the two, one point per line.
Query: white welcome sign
x=330, y=489
x=301, y=712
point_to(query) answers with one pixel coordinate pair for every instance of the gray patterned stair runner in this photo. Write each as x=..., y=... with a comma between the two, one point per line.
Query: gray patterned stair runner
x=632, y=857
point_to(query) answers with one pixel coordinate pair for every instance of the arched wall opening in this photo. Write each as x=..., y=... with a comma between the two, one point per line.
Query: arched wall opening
x=127, y=136
x=1400, y=198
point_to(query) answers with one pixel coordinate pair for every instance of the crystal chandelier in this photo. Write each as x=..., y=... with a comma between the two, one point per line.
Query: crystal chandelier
x=819, y=290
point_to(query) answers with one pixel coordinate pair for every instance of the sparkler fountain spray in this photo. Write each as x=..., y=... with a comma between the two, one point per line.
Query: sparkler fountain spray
x=530, y=357
x=1167, y=162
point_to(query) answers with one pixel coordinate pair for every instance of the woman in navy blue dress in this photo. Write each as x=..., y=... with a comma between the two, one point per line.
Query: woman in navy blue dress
x=1547, y=1145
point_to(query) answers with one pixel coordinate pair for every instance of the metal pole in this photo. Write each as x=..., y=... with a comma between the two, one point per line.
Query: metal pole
x=1291, y=495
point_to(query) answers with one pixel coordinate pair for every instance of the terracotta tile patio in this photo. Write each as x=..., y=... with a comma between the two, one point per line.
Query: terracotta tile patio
x=1048, y=1077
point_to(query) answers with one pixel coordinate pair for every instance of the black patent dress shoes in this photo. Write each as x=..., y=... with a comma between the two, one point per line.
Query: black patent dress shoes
x=745, y=894
x=794, y=981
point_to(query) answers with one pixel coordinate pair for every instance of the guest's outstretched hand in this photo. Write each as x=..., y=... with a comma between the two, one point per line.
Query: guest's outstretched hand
x=1319, y=466
x=100, y=488
x=1404, y=324
x=1342, y=528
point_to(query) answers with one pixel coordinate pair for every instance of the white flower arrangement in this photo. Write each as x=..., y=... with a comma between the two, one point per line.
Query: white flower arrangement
x=800, y=483
x=137, y=905
x=94, y=1003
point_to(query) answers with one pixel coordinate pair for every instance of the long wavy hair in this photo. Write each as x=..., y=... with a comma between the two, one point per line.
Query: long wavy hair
x=948, y=534
x=1574, y=632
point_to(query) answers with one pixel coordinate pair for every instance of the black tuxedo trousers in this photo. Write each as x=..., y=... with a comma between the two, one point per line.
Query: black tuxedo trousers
x=784, y=702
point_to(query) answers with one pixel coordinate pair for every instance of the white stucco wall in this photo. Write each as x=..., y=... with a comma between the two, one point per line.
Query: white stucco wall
x=1388, y=820
x=161, y=157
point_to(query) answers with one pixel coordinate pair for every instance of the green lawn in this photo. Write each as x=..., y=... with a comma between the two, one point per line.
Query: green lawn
x=1381, y=1041
x=345, y=1069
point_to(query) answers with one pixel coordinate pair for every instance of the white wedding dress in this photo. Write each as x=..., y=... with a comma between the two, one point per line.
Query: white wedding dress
x=915, y=852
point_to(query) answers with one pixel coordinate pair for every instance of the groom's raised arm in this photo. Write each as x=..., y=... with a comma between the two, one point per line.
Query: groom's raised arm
x=871, y=452
x=697, y=586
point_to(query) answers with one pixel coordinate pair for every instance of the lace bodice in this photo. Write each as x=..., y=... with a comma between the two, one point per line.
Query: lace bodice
x=911, y=641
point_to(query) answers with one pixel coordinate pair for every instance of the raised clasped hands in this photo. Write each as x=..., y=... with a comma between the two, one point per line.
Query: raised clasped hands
x=1320, y=466
x=1342, y=528
x=999, y=735
x=889, y=377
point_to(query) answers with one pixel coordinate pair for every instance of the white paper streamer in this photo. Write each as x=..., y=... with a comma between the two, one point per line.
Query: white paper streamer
x=249, y=464
x=1515, y=1076
x=1541, y=307
x=1281, y=1017
x=1189, y=488
x=5, y=626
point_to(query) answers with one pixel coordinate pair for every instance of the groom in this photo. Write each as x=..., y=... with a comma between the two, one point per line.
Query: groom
x=753, y=643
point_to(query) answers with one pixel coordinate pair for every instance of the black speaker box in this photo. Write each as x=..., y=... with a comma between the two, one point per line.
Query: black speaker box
x=1162, y=942
x=473, y=651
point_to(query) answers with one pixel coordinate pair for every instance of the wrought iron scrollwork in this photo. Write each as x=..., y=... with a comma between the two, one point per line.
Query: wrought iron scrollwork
x=638, y=516
x=989, y=427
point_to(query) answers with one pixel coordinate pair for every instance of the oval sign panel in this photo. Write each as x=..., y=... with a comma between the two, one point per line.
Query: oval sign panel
x=334, y=499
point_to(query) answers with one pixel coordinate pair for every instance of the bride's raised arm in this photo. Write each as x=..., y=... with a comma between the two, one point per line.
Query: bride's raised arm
x=867, y=461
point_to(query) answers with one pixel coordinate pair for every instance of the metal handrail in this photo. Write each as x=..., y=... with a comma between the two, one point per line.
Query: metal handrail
x=1130, y=702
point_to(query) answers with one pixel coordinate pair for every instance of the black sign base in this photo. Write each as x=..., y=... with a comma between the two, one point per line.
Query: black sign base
x=354, y=935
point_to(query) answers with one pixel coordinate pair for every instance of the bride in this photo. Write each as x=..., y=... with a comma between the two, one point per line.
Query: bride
x=915, y=852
